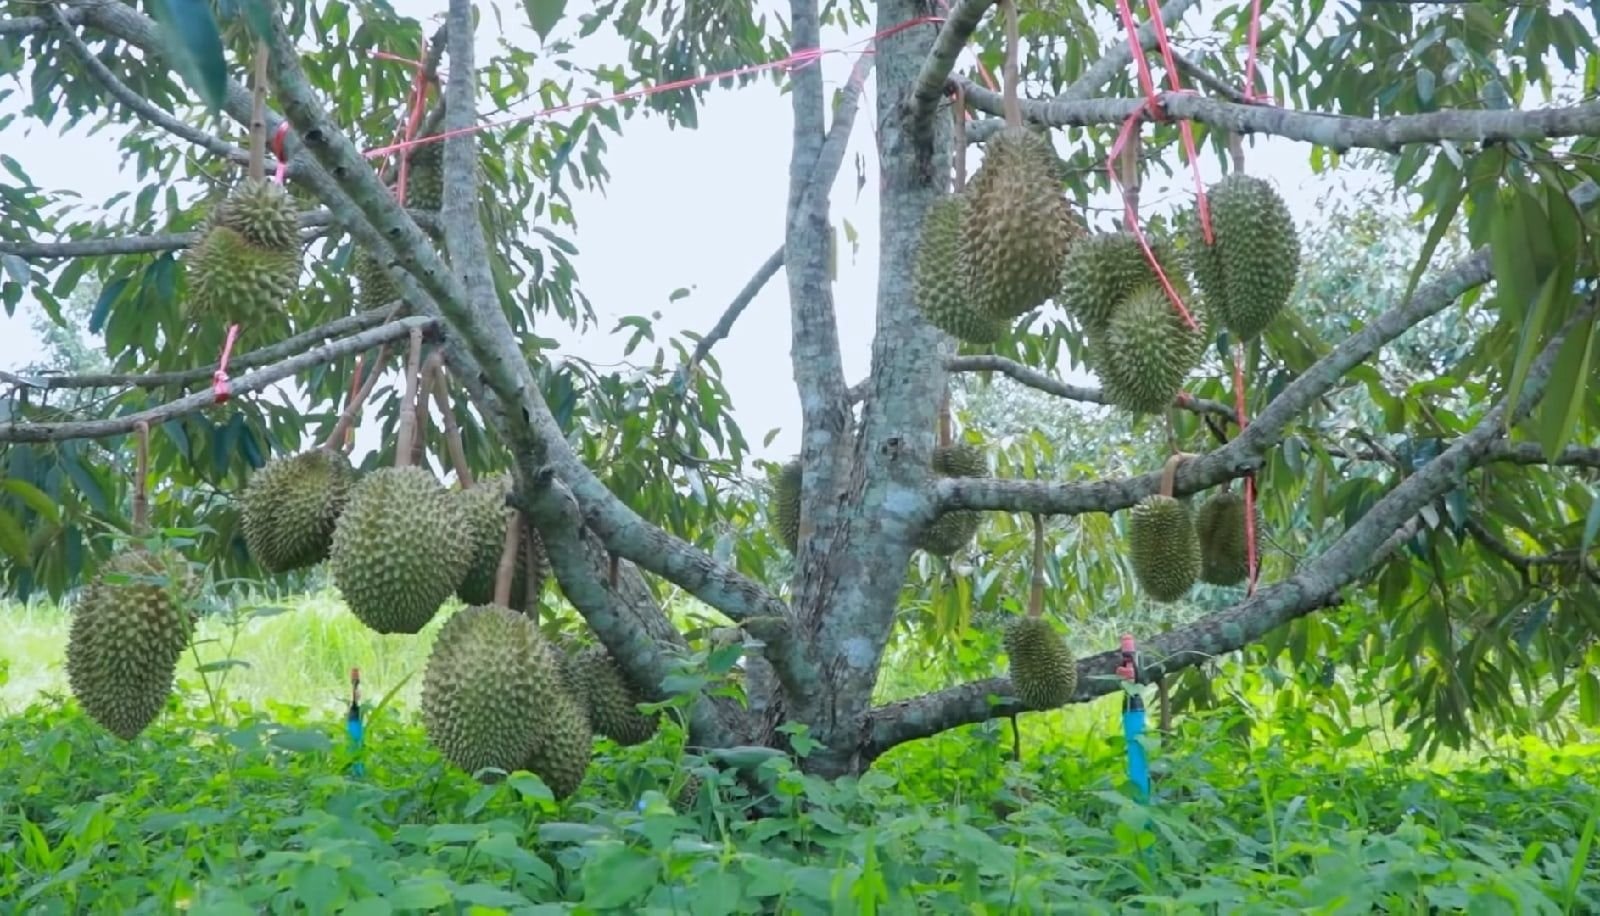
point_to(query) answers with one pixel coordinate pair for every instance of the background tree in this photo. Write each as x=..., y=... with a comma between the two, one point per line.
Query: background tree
x=1416, y=441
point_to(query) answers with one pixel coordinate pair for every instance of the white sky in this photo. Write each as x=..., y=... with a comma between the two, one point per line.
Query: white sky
x=687, y=208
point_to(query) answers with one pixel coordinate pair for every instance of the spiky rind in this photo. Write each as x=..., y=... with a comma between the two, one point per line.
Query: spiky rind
x=1219, y=526
x=785, y=511
x=1147, y=350
x=1250, y=271
x=952, y=531
x=263, y=212
x=376, y=289
x=235, y=281
x=1101, y=271
x=1019, y=227
x=609, y=698
x=128, y=631
x=486, y=511
x=939, y=282
x=425, y=177
x=397, y=550
x=290, y=507
x=1163, y=548
x=1043, y=671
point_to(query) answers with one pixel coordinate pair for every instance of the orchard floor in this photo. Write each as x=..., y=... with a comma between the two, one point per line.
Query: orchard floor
x=241, y=798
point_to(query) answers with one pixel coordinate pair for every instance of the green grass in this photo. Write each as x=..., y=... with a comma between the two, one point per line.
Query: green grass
x=249, y=805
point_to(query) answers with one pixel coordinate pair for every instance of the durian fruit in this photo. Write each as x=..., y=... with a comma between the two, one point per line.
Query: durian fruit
x=954, y=530
x=289, y=509
x=126, y=638
x=492, y=696
x=236, y=281
x=1101, y=272
x=425, y=177
x=1163, y=548
x=1018, y=228
x=608, y=698
x=376, y=289
x=938, y=282
x=1043, y=670
x=1248, y=274
x=487, y=512
x=785, y=510
x=1219, y=526
x=685, y=800
x=263, y=212
x=398, y=550
x=1147, y=349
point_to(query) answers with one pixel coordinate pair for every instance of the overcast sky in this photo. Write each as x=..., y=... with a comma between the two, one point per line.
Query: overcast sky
x=688, y=208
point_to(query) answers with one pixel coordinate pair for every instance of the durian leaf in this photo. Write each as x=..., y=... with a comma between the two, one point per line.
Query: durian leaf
x=1451, y=194
x=13, y=540
x=189, y=32
x=1591, y=525
x=1569, y=381
x=544, y=14
x=34, y=498
x=1528, y=345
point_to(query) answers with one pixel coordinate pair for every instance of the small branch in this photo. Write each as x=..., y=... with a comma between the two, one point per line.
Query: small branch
x=200, y=400
x=1525, y=563
x=958, y=29
x=261, y=357
x=27, y=25
x=452, y=431
x=1038, y=380
x=505, y=574
x=406, y=434
x=1120, y=55
x=317, y=224
x=352, y=410
x=1211, y=81
x=730, y=315
x=141, y=478
x=1336, y=132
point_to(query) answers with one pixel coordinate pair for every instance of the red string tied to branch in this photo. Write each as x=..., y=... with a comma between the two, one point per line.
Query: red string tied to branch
x=277, y=151
x=221, y=391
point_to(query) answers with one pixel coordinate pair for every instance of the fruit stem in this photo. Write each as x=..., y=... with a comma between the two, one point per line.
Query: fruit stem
x=506, y=571
x=1236, y=151
x=258, y=115
x=535, y=584
x=1036, y=585
x=141, y=492
x=1170, y=471
x=959, y=110
x=1129, y=168
x=420, y=407
x=1013, y=109
x=408, y=417
x=944, y=433
x=452, y=432
x=337, y=439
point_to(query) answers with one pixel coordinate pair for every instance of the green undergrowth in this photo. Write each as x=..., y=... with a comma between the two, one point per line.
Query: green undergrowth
x=242, y=799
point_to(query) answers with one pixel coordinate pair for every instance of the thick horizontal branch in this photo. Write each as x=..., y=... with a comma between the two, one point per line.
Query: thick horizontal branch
x=1526, y=562
x=1337, y=132
x=314, y=223
x=1120, y=55
x=200, y=400
x=287, y=347
x=1316, y=585
x=935, y=74
x=27, y=25
x=1037, y=380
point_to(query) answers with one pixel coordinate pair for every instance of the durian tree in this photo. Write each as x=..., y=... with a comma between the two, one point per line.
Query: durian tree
x=1479, y=111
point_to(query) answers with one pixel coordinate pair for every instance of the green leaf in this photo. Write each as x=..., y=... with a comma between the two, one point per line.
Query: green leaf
x=302, y=741
x=1528, y=346
x=189, y=33
x=1447, y=208
x=13, y=540
x=33, y=498
x=1569, y=380
x=544, y=14
x=1591, y=526
x=102, y=306
x=15, y=267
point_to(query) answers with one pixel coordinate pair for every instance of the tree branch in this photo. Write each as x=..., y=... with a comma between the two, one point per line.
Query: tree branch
x=317, y=223
x=289, y=346
x=143, y=107
x=1106, y=68
x=27, y=25
x=200, y=400
x=1041, y=382
x=1336, y=132
x=929, y=88
x=1317, y=585
x=1523, y=562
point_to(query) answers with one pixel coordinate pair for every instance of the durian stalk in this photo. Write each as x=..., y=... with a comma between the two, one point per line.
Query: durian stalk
x=420, y=407
x=531, y=550
x=1128, y=165
x=452, y=432
x=342, y=438
x=1013, y=108
x=1169, y=472
x=944, y=433
x=408, y=417
x=1036, y=585
x=258, y=115
x=959, y=111
x=507, y=571
x=141, y=493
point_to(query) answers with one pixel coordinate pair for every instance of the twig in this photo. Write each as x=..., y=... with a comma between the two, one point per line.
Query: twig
x=314, y=225
x=452, y=431
x=408, y=413
x=505, y=574
x=419, y=438
x=730, y=315
x=141, y=478
x=1038, y=380
x=258, y=115
x=1107, y=67
x=200, y=400
x=352, y=410
x=930, y=86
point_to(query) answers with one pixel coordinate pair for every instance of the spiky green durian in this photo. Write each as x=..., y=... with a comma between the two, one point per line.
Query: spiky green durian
x=1248, y=274
x=425, y=177
x=237, y=282
x=376, y=289
x=1018, y=228
x=1148, y=349
x=1043, y=671
x=1163, y=548
x=492, y=696
x=785, y=510
x=609, y=698
x=289, y=509
x=263, y=212
x=1219, y=526
x=398, y=550
x=1101, y=271
x=128, y=631
x=939, y=282
x=487, y=513
x=952, y=531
